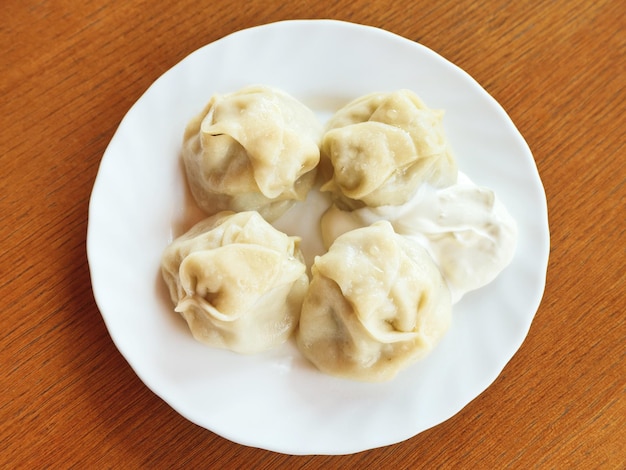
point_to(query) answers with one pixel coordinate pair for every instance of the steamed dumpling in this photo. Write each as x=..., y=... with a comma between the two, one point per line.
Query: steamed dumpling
x=237, y=281
x=382, y=147
x=254, y=149
x=376, y=304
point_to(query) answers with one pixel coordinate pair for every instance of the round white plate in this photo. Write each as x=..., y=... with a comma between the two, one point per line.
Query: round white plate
x=276, y=400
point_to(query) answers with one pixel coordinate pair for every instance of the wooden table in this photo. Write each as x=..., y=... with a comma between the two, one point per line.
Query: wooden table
x=69, y=73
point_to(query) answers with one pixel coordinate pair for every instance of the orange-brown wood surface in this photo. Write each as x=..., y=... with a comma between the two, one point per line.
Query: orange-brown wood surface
x=69, y=71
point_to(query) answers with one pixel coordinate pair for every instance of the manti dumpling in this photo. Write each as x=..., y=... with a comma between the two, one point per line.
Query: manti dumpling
x=238, y=282
x=253, y=149
x=376, y=304
x=382, y=146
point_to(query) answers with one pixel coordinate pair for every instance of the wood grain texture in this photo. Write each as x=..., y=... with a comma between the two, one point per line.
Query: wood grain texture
x=68, y=74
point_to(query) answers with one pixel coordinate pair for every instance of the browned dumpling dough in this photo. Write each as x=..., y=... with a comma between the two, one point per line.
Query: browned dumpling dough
x=253, y=149
x=237, y=281
x=376, y=304
x=382, y=146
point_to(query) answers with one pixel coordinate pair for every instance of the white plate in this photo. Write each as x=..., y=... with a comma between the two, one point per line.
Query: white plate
x=277, y=401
